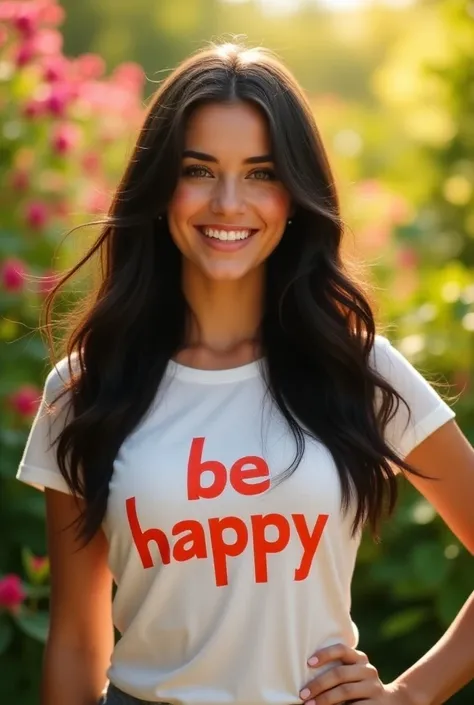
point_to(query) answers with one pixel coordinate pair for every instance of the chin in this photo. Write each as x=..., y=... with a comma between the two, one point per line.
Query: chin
x=225, y=276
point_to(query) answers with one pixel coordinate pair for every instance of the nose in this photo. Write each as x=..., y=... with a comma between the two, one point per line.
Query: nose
x=228, y=197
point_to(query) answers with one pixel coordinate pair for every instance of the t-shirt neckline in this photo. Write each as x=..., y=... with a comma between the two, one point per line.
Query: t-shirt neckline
x=232, y=374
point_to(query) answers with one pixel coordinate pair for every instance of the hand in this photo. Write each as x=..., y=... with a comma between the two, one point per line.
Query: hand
x=354, y=680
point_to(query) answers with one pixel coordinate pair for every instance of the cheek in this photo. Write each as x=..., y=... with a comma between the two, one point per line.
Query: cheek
x=185, y=201
x=274, y=206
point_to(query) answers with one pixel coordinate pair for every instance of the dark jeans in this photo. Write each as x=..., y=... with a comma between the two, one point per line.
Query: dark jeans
x=114, y=696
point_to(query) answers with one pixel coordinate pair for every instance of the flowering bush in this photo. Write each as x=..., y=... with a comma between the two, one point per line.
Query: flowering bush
x=64, y=130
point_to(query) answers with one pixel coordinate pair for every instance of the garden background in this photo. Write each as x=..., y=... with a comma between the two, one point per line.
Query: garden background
x=392, y=87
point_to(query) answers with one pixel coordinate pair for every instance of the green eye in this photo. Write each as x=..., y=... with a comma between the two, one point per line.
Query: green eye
x=196, y=171
x=263, y=175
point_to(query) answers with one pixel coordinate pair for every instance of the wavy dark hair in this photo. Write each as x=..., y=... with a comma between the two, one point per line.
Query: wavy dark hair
x=318, y=326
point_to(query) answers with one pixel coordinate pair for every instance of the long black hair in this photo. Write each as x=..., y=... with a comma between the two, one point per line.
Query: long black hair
x=318, y=326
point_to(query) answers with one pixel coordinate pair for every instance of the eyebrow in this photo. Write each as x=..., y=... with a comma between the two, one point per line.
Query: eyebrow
x=203, y=157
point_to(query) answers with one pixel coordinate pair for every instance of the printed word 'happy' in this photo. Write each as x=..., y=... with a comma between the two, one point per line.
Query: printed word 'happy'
x=191, y=541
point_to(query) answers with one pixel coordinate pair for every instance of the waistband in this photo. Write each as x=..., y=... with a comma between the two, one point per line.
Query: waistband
x=115, y=696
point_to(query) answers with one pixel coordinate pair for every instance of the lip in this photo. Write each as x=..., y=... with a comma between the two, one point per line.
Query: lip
x=226, y=228
x=225, y=245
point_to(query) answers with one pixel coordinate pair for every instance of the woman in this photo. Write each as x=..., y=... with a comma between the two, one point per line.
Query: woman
x=235, y=420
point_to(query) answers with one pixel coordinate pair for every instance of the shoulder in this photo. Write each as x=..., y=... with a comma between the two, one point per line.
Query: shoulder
x=59, y=376
x=386, y=359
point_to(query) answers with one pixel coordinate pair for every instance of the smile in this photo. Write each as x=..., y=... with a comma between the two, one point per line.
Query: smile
x=227, y=235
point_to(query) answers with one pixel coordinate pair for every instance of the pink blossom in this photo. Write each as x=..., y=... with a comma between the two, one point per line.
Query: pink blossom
x=36, y=215
x=52, y=14
x=12, y=592
x=26, y=20
x=54, y=68
x=8, y=11
x=90, y=66
x=39, y=563
x=26, y=400
x=13, y=274
x=34, y=108
x=25, y=54
x=20, y=180
x=129, y=74
x=58, y=99
x=48, y=42
x=65, y=138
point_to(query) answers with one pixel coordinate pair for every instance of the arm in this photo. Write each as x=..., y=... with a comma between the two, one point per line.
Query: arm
x=447, y=456
x=80, y=639
x=449, y=665
x=452, y=657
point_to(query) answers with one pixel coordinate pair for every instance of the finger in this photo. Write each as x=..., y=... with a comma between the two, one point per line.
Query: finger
x=337, y=652
x=334, y=677
x=345, y=693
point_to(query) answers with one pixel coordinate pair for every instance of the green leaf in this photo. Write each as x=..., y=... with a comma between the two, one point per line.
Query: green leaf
x=33, y=624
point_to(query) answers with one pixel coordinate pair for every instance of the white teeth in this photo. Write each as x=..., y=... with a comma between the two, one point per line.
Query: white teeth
x=227, y=234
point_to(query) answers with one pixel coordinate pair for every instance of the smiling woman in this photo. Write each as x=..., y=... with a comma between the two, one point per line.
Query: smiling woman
x=229, y=201
x=227, y=418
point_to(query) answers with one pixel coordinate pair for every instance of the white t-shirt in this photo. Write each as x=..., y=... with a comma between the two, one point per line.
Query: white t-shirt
x=226, y=588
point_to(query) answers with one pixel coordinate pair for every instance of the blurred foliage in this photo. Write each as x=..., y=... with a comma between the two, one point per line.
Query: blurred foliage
x=392, y=92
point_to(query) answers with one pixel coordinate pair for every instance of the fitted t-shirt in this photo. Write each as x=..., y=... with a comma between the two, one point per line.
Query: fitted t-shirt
x=226, y=581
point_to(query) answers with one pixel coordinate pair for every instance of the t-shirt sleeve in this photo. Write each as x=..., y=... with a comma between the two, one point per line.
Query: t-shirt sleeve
x=428, y=410
x=38, y=466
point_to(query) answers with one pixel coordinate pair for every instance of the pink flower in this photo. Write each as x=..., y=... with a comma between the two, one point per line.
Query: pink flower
x=52, y=14
x=8, y=11
x=48, y=42
x=26, y=399
x=65, y=138
x=12, y=592
x=54, y=68
x=90, y=66
x=34, y=108
x=36, y=215
x=25, y=54
x=58, y=99
x=129, y=74
x=13, y=274
x=26, y=20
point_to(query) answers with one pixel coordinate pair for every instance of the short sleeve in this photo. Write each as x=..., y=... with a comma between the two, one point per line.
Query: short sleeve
x=38, y=466
x=428, y=410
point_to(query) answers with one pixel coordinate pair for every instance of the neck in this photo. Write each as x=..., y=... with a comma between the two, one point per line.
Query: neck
x=226, y=315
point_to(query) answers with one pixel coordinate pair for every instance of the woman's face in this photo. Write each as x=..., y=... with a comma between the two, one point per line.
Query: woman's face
x=229, y=211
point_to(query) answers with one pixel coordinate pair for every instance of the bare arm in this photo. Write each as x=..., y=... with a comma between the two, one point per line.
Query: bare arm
x=452, y=657
x=80, y=640
x=449, y=665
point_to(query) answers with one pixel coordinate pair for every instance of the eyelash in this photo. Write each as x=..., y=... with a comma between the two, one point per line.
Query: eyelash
x=190, y=171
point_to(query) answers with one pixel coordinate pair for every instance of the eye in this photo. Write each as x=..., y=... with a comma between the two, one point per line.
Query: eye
x=196, y=171
x=263, y=175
